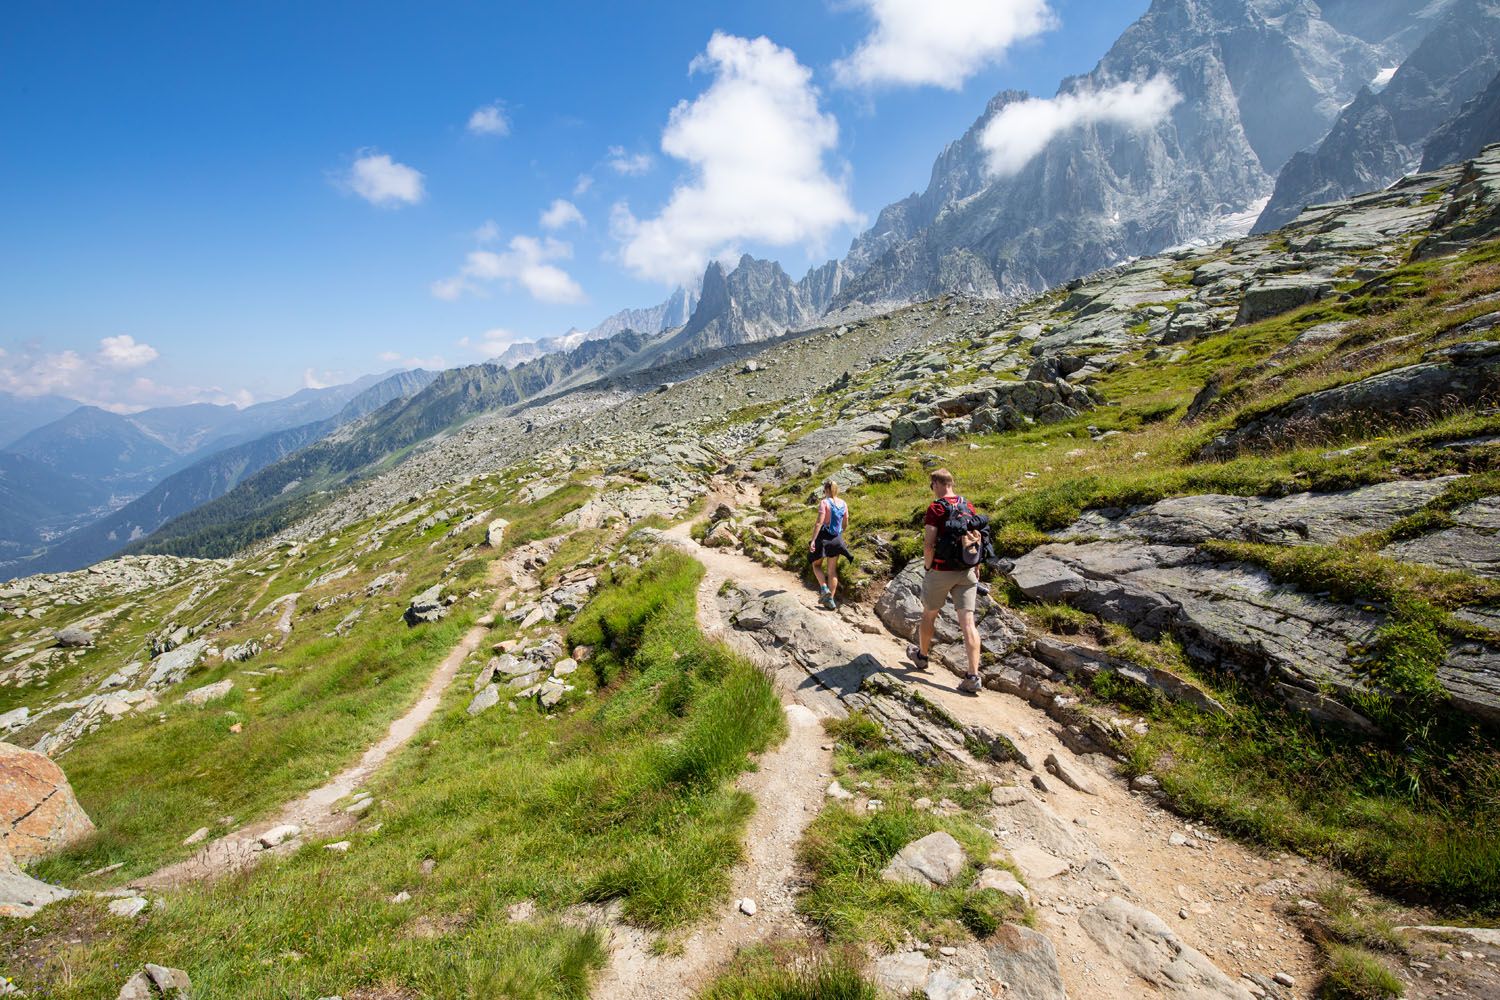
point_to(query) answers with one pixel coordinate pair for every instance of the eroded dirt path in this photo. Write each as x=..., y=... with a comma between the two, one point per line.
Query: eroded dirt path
x=787, y=786
x=313, y=813
x=1077, y=849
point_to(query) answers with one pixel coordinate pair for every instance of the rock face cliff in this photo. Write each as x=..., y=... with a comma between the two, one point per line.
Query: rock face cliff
x=755, y=301
x=1259, y=80
x=1476, y=125
x=1382, y=135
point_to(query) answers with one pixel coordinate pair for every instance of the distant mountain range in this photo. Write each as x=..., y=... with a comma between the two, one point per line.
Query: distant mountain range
x=71, y=491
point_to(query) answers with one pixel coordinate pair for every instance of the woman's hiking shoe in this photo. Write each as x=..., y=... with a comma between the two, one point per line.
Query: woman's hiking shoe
x=971, y=684
x=914, y=654
x=829, y=602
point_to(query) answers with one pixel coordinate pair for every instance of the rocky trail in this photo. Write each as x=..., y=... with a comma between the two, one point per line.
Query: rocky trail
x=318, y=813
x=1135, y=901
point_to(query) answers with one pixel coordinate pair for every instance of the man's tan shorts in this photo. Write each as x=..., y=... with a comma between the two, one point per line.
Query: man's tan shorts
x=937, y=584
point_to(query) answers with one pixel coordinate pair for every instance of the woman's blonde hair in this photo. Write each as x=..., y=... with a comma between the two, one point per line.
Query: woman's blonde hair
x=831, y=488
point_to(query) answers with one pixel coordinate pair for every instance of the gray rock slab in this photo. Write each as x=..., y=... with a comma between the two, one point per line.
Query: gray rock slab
x=1144, y=944
x=1026, y=960
x=1299, y=519
x=1228, y=615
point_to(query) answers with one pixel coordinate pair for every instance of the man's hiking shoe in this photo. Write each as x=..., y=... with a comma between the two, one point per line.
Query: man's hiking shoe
x=971, y=684
x=914, y=654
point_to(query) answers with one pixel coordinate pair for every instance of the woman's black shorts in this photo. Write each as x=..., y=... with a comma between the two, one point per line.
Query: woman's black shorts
x=828, y=544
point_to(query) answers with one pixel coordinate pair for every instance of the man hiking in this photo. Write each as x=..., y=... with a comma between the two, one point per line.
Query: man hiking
x=951, y=551
x=828, y=543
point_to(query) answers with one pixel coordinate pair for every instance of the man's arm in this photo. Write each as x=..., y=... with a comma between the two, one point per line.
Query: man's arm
x=929, y=545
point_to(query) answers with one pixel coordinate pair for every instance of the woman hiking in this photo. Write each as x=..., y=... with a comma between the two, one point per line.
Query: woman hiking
x=828, y=543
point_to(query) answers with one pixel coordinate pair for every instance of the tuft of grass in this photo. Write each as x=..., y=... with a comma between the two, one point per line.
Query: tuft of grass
x=780, y=973
x=848, y=846
x=1355, y=974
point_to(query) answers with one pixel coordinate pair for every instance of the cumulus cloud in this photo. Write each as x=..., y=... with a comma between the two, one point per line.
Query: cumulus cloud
x=560, y=214
x=939, y=43
x=489, y=120
x=382, y=181
x=487, y=233
x=582, y=185
x=526, y=261
x=100, y=377
x=629, y=164
x=755, y=141
x=490, y=343
x=1015, y=136
x=436, y=361
x=124, y=352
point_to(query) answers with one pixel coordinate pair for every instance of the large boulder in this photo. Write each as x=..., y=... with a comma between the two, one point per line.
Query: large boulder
x=936, y=859
x=38, y=812
x=428, y=606
x=1280, y=294
x=494, y=535
x=74, y=636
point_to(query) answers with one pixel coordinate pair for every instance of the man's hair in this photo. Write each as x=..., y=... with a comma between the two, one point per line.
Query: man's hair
x=941, y=476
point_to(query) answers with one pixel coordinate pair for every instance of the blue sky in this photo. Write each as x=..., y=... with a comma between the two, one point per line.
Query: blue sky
x=180, y=216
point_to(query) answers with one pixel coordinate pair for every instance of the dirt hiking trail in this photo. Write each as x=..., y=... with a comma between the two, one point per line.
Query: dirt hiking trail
x=313, y=814
x=1074, y=848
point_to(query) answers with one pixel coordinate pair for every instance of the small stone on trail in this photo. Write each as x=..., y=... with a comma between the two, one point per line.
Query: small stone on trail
x=1284, y=979
x=1145, y=783
x=1039, y=784
x=278, y=835
x=838, y=791
x=196, y=837
x=747, y=906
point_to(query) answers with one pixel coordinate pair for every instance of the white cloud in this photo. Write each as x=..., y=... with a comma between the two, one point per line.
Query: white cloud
x=489, y=120
x=755, y=140
x=487, y=233
x=436, y=361
x=629, y=164
x=560, y=214
x=582, y=185
x=382, y=181
x=525, y=262
x=313, y=380
x=1015, y=136
x=939, y=42
x=124, y=352
x=490, y=343
x=100, y=378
